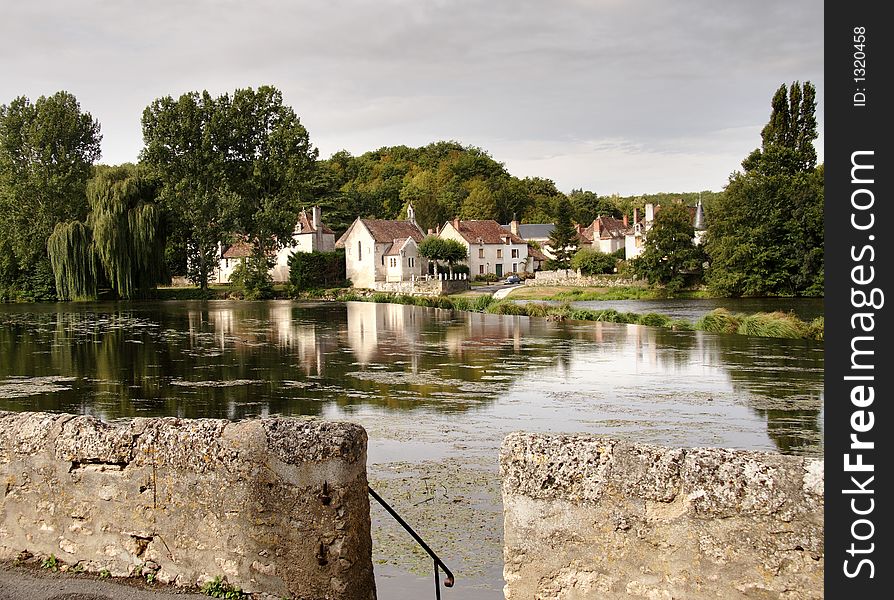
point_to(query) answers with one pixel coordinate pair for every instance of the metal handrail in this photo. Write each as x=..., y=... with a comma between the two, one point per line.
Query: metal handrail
x=449, y=580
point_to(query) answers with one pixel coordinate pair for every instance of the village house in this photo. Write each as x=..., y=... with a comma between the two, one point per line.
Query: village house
x=310, y=235
x=379, y=250
x=635, y=238
x=490, y=247
x=604, y=234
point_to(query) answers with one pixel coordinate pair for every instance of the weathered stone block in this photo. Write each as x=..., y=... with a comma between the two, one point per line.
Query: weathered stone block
x=595, y=517
x=276, y=505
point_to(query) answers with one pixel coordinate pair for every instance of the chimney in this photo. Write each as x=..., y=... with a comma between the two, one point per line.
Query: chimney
x=635, y=216
x=317, y=217
x=650, y=213
x=431, y=231
x=626, y=225
x=513, y=226
x=597, y=229
x=456, y=223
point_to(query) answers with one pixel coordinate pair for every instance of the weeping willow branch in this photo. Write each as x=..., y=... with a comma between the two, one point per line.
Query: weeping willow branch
x=121, y=242
x=72, y=256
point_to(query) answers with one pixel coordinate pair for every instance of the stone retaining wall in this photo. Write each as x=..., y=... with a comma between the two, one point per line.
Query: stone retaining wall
x=572, y=277
x=593, y=517
x=275, y=505
x=423, y=287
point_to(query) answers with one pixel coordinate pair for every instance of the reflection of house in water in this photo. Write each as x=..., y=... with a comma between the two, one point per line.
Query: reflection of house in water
x=217, y=322
x=376, y=331
x=302, y=337
x=481, y=329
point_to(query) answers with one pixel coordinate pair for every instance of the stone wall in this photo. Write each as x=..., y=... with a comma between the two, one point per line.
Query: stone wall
x=275, y=505
x=572, y=277
x=593, y=517
x=423, y=287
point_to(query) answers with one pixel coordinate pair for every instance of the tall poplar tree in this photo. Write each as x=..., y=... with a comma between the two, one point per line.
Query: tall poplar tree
x=564, y=238
x=765, y=233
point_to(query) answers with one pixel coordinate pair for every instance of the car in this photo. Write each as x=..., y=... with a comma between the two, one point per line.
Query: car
x=513, y=279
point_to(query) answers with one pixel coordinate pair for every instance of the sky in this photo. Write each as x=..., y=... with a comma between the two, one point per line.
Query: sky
x=613, y=96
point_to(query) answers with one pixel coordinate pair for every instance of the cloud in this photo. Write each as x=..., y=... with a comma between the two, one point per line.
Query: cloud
x=503, y=72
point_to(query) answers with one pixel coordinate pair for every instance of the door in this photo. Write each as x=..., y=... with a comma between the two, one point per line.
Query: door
x=499, y=268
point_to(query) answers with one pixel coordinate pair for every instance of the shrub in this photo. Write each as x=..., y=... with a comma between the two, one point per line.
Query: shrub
x=252, y=279
x=489, y=277
x=816, y=329
x=309, y=270
x=592, y=262
x=654, y=320
x=775, y=324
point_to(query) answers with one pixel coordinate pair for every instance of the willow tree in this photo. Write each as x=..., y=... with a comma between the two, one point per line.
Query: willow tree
x=121, y=244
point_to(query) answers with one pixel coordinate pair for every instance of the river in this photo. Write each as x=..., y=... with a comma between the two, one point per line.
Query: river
x=437, y=390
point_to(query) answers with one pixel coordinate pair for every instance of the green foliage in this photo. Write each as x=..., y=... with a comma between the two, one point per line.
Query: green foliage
x=120, y=243
x=669, y=252
x=310, y=270
x=765, y=234
x=438, y=249
x=563, y=239
x=587, y=206
x=252, y=278
x=219, y=588
x=229, y=164
x=593, y=262
x=46, y=150
x=51, y=563
x=104, y=574
x=718, y=320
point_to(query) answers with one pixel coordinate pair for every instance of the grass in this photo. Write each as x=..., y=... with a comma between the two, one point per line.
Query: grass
x=577, y=294
x=775, y=324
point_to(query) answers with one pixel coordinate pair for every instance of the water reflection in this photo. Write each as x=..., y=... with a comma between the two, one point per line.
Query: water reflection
x=242, y=359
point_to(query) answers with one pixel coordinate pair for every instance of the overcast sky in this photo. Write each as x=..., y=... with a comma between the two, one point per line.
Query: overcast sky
x=614, y=96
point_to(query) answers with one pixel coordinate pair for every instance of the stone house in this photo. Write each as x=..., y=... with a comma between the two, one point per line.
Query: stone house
x=604, y=234
x=309, y=235
x=379, y=250
x=490, y=247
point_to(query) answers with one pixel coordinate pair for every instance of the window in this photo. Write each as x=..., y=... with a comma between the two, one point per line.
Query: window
x=499, y=253
x=481, y=269
x=515, y=267
x=359, y=251
x=392, y=262
x=514, y=254
x=481, y=254
x=411, y=262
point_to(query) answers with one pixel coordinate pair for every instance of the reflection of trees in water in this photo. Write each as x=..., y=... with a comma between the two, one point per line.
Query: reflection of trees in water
x=783, y=380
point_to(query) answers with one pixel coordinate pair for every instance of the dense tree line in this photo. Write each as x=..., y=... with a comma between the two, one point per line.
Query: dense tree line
x=241, y=166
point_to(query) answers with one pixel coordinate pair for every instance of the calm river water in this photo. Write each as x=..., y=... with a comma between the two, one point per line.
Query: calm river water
x=437, y=390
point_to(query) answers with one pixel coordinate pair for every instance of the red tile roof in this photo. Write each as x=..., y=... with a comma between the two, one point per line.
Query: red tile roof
x=238, y=250
x=609, y=227
x=487, y=231
x=385, y=232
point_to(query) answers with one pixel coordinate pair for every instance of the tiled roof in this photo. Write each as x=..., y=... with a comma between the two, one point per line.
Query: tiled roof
x=238, y=250
x=487, y=231
x=384, y=231
x=395, y=247
x=537, y=254
x=609, y=227
x=307, y=226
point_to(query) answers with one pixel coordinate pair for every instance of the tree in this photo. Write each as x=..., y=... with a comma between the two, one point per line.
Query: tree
x=765, y=233
x=588, y=206
x=669, y=250
x=593, y=262
x=46, y=151
x=230, y=165
x=121, y=243
x=563, y=240
x=438, y=249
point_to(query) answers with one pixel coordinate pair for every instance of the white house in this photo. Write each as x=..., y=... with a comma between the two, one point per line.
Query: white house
x=491, y=248
x=604, y=234
x=309, y=235
x=635, y=239
x=379, y=250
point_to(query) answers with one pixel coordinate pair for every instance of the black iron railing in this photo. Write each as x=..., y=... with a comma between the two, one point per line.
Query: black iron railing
x=438, y=563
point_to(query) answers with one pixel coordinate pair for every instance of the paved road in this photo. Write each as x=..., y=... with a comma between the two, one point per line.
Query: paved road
x=19, y=583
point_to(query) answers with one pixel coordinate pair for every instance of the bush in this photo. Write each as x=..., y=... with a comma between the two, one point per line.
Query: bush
x=489, y=277
x=654, y=320
x=252, y=278
x=312, y=270
x=776, y=324
x=718, y=320
x=592, y=262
